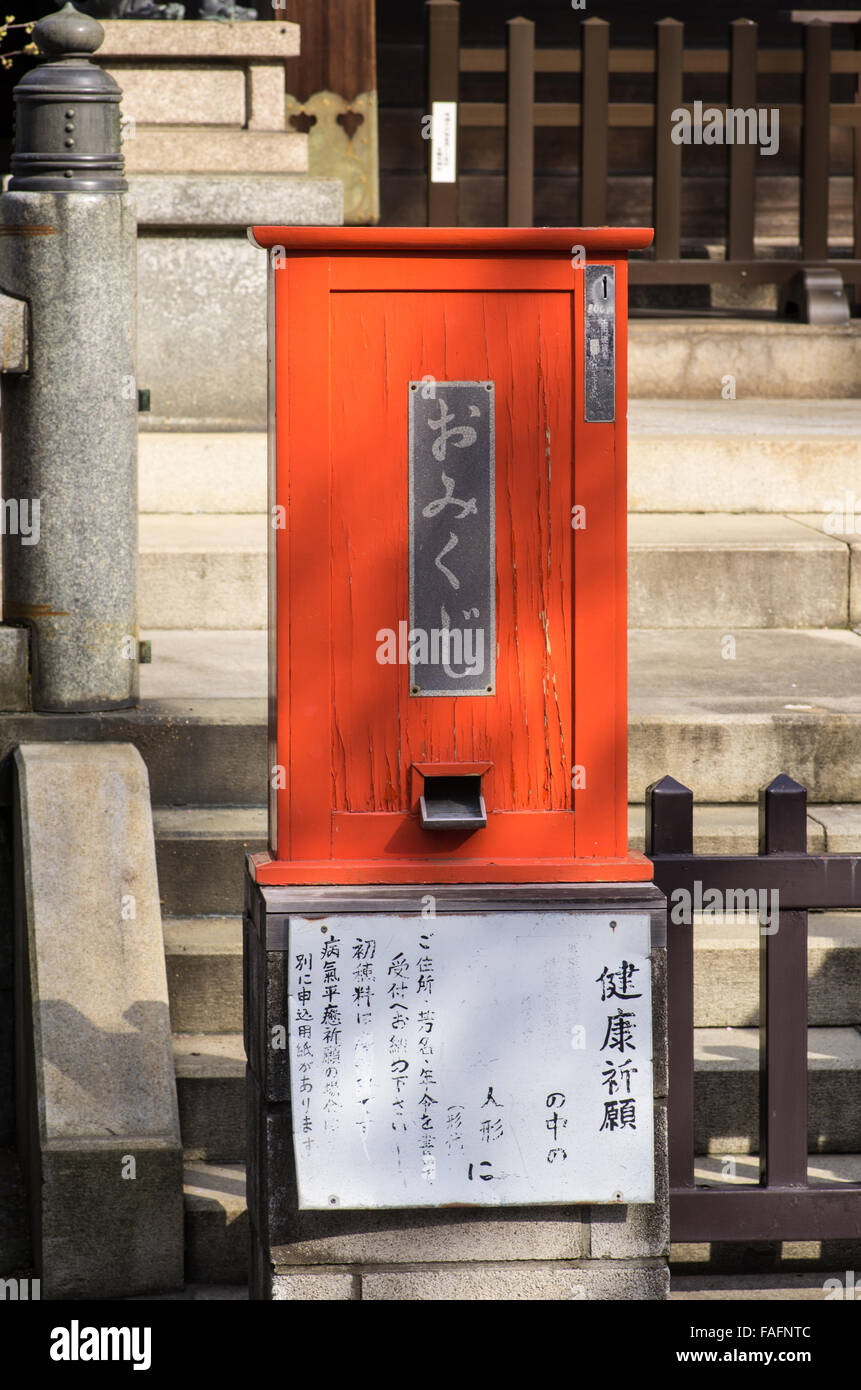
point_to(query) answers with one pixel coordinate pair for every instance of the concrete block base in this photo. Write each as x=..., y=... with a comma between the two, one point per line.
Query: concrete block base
x=494, y=1253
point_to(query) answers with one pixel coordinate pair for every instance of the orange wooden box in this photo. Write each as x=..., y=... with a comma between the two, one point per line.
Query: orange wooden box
x=355, y=316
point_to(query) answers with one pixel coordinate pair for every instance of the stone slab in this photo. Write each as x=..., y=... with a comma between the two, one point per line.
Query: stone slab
x=209, y=473
x=172, y=94
x=727, y=829
x=210, y=1083
x=688, y=358
x=726, y=1086
x=202, y=327
x=631, y=1232
x=14, y=334
x=14, y=668
x=200, y=851
x=770, y=455
x=786, y=700
x=203, y=571
x=224, y=665
x=266, y=109
x=198, y=752
x=536, y=1281
x=214, y=149
x=841, y=827
x=216, y=1223
x=754, y=571
x=726, y=972
x=236, y=201
x=203, y=957
x=189, y=38
x=324, y=1285
x=95, y=1060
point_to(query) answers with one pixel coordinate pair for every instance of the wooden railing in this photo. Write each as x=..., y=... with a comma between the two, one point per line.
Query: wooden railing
x=743, y=62
x=783, y=1205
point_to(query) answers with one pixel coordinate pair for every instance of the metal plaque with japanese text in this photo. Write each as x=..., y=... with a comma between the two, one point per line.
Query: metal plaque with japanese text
x=489, y=1058
x=452, y=635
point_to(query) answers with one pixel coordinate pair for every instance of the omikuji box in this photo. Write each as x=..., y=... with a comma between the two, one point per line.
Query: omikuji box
x=448, y=548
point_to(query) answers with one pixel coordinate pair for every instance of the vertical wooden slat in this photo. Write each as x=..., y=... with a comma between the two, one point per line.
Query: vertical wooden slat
x=668, y=156
x=742, y=157
x=815, y=158
x=520, y=168
x=670, y=830
x=783, y=1003
x=443, y=85
x=595, y=112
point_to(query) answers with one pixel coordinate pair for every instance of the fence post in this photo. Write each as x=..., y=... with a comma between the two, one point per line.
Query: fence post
x=70, y=422
x=668, y=156
x=443, y=85
x=816, y=141
x=742, y=156
x=783, y=1002
x=593, y=130
x=520, y=120
x=856, y=169
x=670, y=830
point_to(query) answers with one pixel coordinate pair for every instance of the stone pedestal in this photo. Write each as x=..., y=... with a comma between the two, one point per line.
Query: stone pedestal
x=566, y=1252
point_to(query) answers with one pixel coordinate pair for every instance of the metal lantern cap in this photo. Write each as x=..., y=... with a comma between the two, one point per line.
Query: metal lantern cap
x=68, y=136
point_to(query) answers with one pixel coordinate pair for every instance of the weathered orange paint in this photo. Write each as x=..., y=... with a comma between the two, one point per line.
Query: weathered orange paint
x=358, y=313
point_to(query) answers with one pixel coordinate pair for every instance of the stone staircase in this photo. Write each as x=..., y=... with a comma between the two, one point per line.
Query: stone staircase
x=727, y=541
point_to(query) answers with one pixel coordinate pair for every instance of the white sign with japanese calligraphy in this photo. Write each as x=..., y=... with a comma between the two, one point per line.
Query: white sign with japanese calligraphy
x=490, y=1059
x=443, y=142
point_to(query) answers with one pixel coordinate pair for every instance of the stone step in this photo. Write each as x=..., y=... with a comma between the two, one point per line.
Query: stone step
x=204, y=971
x=203, y=956
x=711, y=455
x=725, y=712
x=742, y=571
x=744, y=455
x=722, y=712
x=684, y=570
x=216, y=1228
x=210, y=1072
x=198, y=750
x=754, y=1288
x=203, y=571
x=210, y=1088
x=726, y=971
x=209, y=473
x=689, y=358
x=216, y=1223
x=723, y=1263
x=200, y=853
x=726, y=1087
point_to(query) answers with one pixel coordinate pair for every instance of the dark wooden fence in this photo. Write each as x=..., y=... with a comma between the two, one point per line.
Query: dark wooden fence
x=783, y=1206
x=815, y=62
